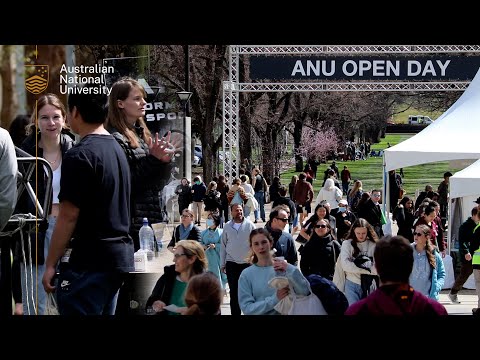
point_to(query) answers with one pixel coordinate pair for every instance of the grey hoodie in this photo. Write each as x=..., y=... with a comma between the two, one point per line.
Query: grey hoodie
x=8, y=177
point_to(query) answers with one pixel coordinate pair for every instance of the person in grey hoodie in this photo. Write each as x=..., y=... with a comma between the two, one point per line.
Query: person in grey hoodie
x=8, y=177
x=234, y=252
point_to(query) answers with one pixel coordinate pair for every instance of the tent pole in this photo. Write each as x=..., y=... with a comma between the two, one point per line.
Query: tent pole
x=385, y=188
x=449, y=224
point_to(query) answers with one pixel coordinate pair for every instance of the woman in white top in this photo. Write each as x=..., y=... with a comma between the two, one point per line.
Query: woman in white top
x=330, y=193
x=250, y=194
x=361, y=242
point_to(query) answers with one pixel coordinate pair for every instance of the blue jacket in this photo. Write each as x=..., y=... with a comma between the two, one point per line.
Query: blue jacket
x=438, y=277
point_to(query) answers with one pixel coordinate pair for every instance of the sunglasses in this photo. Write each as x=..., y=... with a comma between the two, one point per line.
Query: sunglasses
x=320, y=226
x=418, y=234
x=284, y=220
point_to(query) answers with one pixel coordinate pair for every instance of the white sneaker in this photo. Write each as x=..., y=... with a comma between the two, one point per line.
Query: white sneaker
x=453, y=298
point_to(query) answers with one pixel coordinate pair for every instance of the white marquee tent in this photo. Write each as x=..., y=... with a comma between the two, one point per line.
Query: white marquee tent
x=454, y=135
x=464, y=190
x=466, y=182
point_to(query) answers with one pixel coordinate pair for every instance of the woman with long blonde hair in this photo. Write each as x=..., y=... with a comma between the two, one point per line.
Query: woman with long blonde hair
x=150, y=157
x=428, y=273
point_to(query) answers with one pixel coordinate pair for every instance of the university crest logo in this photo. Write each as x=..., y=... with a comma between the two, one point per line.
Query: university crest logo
x=36, y=78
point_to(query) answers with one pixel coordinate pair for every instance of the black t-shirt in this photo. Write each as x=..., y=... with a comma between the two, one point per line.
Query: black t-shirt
x=96, y=179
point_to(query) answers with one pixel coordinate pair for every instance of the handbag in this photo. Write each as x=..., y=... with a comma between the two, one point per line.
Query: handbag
x=307, y=305
x=369, y=284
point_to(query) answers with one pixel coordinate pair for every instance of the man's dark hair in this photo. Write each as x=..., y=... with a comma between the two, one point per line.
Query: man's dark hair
x=447, y=174
x=92, y=107
x=273, y=213
x=393, y=259
x=282, y=190
x=474, y=211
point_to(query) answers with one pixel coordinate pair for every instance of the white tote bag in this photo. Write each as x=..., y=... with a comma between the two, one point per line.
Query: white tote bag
x=306, y=304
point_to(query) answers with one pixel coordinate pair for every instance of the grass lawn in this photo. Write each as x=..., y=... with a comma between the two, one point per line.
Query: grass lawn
x=370, y=171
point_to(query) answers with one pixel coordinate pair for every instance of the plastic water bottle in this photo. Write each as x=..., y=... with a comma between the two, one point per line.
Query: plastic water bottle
x=147, y=238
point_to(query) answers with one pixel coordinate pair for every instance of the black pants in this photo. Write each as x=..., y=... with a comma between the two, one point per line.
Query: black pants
x=465, y=271
x=233, y=274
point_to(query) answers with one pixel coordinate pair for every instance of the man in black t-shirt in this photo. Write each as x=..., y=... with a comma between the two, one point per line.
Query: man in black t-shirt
x=94, y=215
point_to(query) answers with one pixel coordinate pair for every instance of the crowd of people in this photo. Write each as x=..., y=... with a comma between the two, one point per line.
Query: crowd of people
x=108, y=177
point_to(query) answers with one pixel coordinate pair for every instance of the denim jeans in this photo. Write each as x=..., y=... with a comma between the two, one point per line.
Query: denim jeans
x=81, y=292
x=246, y=211
x=32, y=288
x=260, y=197
x=353, y=292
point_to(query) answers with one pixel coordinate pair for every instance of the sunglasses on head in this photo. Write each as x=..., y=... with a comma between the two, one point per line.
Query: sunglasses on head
x=320, y=226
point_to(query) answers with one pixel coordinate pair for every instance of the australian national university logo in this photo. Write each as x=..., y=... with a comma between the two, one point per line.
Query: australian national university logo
x=36, y=78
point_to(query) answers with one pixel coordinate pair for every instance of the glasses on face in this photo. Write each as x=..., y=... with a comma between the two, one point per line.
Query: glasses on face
x=284, y=220
x=418, y=234
x=320, y=226
x=186, y=216
x=177, y=256
x=376, y=195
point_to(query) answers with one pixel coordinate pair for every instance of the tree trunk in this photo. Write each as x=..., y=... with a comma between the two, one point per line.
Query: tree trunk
x=297, y=141
x=54, y=57
x=207, y=122
x=9, y=95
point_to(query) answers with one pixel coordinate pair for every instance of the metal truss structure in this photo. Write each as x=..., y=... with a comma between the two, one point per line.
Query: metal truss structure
x=233, y=87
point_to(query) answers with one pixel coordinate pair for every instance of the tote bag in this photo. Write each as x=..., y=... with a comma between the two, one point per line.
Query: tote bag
x=306, y=305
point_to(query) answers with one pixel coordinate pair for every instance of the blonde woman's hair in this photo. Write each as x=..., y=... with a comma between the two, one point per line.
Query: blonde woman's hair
x=357, y=186
x=116, y=117
x=211, y=185
x=429, y=247
x=194, y=248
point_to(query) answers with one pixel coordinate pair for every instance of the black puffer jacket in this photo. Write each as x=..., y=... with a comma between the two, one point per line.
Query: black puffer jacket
x=319, y=255
x=163, y=288
x=149, y=177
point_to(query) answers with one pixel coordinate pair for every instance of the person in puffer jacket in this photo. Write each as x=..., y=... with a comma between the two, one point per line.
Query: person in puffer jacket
x=150, y=157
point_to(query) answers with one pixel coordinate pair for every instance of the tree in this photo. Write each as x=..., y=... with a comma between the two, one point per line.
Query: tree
x=7, y=74
x=317, y=144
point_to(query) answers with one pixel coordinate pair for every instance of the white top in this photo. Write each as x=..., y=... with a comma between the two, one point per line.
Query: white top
x=56, y=184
